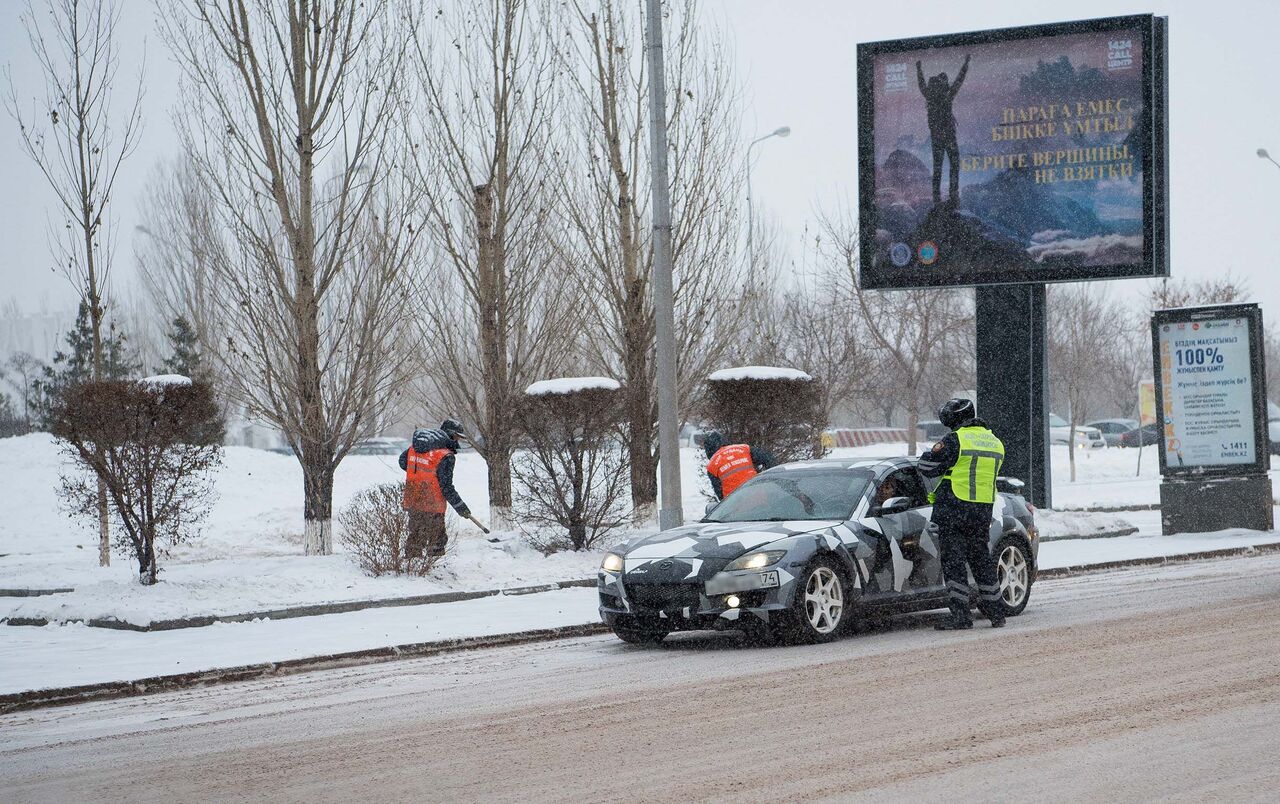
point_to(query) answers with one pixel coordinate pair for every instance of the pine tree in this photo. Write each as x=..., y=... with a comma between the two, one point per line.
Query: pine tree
x=186, y=359
x=75, y=365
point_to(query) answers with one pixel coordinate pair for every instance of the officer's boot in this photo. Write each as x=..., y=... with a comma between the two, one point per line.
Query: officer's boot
x=959, y=620
x=996, y=616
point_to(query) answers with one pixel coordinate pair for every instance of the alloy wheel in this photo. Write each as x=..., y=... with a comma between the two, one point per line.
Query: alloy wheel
x=824, y=600
x=1013, y=575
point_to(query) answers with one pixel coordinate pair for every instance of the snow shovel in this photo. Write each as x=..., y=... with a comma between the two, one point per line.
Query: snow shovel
x=481, y=526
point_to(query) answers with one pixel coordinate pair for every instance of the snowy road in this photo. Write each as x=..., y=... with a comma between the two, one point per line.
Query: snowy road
x=1147, y=683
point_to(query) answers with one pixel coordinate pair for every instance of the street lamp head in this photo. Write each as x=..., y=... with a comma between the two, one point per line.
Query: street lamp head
x=784, y=131
x=1262, y=154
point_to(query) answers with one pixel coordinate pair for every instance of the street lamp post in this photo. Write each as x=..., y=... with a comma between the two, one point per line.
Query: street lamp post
x=782, y=131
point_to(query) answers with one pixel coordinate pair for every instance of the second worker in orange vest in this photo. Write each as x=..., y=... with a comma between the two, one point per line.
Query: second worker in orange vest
x=428, y=486
x=731, y=466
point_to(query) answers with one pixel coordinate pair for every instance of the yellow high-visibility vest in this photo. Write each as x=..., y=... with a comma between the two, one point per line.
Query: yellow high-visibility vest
x=973, y=476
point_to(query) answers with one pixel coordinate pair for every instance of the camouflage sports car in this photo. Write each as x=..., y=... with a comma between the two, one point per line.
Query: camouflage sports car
x=800, y=551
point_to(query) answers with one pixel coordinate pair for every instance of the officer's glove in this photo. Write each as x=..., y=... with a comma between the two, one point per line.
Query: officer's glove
x=464, y=512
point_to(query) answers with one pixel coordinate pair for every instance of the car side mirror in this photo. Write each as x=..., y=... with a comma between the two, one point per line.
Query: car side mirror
x=893, y=505
x=1010, y=485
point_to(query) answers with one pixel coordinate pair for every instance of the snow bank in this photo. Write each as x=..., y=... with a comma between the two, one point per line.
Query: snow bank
x=758, y=373
x=569, y=385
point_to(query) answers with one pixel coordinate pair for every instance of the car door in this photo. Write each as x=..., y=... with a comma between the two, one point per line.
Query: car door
x=906, y=563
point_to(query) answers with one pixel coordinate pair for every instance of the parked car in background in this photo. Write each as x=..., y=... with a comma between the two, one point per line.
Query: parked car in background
x=1144, y=436
x=931, y=430
x=1086, y=437
x=1112, y=429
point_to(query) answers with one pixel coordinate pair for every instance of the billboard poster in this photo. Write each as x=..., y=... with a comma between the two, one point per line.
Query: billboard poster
x=1210, y=380
x=1020, y=155
x=1146, y=403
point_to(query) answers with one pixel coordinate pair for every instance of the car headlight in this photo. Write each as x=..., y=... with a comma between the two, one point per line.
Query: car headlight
x=612, y=563
x=758, y=560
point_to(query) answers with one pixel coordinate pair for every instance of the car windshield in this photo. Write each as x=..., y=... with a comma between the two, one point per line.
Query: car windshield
x=795, y=495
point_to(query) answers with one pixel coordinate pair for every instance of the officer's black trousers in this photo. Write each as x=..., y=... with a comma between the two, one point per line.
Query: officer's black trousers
x=963, y=531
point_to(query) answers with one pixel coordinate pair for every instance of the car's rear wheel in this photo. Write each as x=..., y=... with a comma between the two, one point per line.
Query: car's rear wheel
x=820, y=608
x=640, y=636
x=1013, y=573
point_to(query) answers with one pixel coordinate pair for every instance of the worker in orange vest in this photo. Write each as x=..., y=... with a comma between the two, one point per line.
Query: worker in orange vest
x=731, y=466
x=428, y=485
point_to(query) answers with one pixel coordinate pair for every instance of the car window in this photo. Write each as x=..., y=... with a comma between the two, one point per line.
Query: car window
x=902, y=483
x=795, y=495
x=1057, y=421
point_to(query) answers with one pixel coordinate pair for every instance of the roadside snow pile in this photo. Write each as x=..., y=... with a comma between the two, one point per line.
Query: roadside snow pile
x=758, y=373
x=570, y=385
x=1080, y=525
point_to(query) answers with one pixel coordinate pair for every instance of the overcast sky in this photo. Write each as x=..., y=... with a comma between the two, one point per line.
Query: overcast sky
x=797, y=63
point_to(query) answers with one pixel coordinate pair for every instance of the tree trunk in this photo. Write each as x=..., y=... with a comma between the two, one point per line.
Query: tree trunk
x=147, y=571
x=95, y=325
x=317, y=489
x=913, y=422
x=491, y=284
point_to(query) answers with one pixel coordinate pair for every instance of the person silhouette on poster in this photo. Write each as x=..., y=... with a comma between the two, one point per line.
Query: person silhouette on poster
x=938, y=95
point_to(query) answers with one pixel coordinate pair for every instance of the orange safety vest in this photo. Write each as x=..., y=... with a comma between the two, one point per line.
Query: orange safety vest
x=732, y=466
x=421, y=485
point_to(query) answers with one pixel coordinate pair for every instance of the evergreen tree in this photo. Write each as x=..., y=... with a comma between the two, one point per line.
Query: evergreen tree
x=186, y=359
x=75, y=365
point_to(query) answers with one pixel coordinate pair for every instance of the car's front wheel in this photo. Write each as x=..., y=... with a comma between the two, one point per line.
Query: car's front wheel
x=1013, y=573
x=820, y=607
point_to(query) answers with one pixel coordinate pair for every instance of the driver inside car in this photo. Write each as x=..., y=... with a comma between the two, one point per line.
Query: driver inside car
x=887, y=491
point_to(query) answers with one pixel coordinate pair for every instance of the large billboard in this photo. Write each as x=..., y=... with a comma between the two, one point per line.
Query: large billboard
x=1030, y=154
x=1210, y=390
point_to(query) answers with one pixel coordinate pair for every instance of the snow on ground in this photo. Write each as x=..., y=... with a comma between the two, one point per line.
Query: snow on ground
x=249, y=557
x=68, y=655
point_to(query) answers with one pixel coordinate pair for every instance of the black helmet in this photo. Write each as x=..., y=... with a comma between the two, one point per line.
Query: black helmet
x=453, y=429
x=955, y=412
x=711, y=442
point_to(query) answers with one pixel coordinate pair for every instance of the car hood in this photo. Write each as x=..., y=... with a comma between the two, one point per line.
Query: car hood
x=716, y=540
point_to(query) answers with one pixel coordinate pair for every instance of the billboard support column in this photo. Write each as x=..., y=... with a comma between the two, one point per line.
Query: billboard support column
x=1012, y=381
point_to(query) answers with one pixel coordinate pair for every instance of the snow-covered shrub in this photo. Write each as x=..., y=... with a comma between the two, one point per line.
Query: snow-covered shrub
x=572, y=482
x=152, y=444
x=778, y=409
x=374, y=528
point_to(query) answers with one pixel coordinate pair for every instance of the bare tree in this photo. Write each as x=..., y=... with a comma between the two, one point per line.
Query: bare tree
x=23, y=372
x=79, y=140
x=278, y=96
x=605, y=202
x=177, y=237
x=913, y=329
x=496, y=301
x=1082, y=331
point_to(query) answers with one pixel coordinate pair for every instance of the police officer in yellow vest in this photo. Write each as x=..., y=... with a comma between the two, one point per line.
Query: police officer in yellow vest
x=968, y=461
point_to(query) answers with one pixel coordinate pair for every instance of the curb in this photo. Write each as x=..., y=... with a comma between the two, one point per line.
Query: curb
x=1181, y=558
x=1108, y=509
x=35, y=699
x=1104, y=534
x=32, y=592
x=290, y=612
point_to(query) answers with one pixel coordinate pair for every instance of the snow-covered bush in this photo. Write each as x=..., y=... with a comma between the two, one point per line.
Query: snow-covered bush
x=374, y=528
x=779, y=409
x=572, y=482
x=153, y=445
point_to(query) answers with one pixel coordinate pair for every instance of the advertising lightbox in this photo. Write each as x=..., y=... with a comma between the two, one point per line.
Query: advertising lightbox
x=1032, y=154
x=1211, y=390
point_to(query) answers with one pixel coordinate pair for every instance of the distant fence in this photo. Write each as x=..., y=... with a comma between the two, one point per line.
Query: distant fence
x=864, y=436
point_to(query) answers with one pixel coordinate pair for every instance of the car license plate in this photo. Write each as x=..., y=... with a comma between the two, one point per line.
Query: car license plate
x=769, y=580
